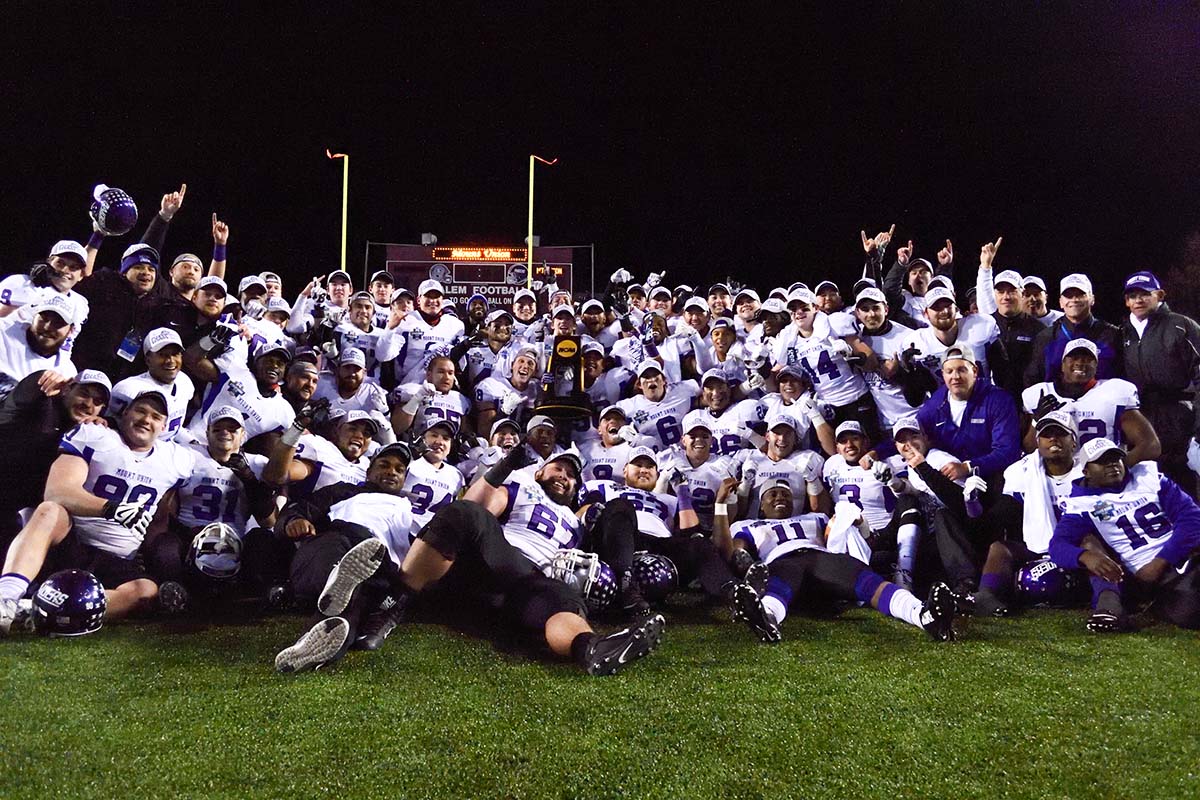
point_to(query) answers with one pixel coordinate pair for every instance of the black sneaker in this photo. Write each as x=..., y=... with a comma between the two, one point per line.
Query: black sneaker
x=609, y=654
x=1103, y=621
x=319, y=646
x=633, y=604
x=748, y=608
x=380, y=623
x=359, y=563
x=173, y=597
x=989, y=604
x=937, y=617
x=757, y=576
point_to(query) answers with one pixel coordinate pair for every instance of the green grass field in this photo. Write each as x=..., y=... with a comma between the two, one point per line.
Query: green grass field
x=858, y=706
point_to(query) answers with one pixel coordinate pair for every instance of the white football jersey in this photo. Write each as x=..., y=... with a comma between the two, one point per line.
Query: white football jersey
x=18, y=361
x=492, y=390
x=602, y=463
x=212, y=493
x=388, y=517
x=1016, y=484
x=370, y=396
x=535, y=524
x=655, y=512
x=178, y=393
x=328, y=466
x=421, y=337
x=1098, y=412
x=430, y=488
x=801, y=470
x=477, y=363
x=775, y=404
x=731, y=429
x=661, y=423
x=237, y=387
x=452, y=406
x=19, y=291
x=775, y=538
x=119, y=474
x=852, y=483
x=833, y=379
x=976, y=331
x=1131, y=520
x=704, y=480
x=379, y=345
x=889, y=397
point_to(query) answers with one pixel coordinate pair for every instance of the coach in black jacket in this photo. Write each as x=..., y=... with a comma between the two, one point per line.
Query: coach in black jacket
x=1162, y=359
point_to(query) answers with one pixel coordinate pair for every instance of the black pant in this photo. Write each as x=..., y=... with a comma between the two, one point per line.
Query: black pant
x=694, y=557
x=885, y=547
x=1178, y=600
x=486, y=566
x=811, y=577
x=613, y=536
x=959, y=546
x=862, y=410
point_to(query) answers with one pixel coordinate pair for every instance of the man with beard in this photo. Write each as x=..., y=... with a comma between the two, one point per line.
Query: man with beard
x=477, y=311
x=101, y=494
x=922, y=349
x=164, y=360
x=31, y=425
x=885, y=338
x=1076, y=300
x=596, y=324
x=1102, y=409
x=800, y=570
x=254, y=393
x=58, y=274
x=428, y=329
x=300, y=383
x=348, y=390
x=1150, y=528
x=37, y=346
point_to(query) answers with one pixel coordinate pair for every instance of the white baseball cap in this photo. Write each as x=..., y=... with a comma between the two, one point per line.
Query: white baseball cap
x=57, y=304
x=96, y=377
x=159, y=338
x=226, y=412
x=66, y=247
x=1094, y=449
x=938, y=293
x=430, y=287
x=1076, y=280
x=849, y=426
x=775, y=420
x=1033, y=280
x=695, y=419
x=641, y=452
x=352, y=355
x=209, y=281
x=1009, y=276
x=648, y=365
x=1081, y=344
x=872, y=294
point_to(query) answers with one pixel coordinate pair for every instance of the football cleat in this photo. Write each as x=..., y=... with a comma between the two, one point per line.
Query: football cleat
x=380, y=623
x=757, y=576
x=173, y=597
x=1104, y=621
x=748, y=608
x=610, y=654
x=633, y=603
x=989, y=604
x=360, y=562
x=937, y=617
x=320, y=645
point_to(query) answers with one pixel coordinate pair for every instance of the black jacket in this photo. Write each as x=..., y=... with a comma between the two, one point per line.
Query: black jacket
x=1011, y=353
x=1046, y=362
x=1165, y=359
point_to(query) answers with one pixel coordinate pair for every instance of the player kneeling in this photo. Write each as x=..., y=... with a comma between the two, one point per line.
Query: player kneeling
x=798, y=567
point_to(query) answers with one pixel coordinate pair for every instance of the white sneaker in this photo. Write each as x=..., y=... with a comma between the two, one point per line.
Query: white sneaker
x=316, y=648
x=359, y=563
x=16, y=614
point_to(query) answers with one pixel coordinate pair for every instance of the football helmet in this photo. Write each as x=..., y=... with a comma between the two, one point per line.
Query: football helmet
x=113, y=211
x=216, y=551
x=1042, y=582
x=69, y=603
x=656, y=576
x=585, y=571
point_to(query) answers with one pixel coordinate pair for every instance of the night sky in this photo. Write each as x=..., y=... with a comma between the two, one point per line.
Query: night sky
x=750, y=141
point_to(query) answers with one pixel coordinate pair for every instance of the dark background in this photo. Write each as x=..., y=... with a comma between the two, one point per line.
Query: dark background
x=751, y=141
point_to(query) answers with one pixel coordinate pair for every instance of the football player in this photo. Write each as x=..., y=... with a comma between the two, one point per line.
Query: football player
x=1036, y=489
x=511, y=395
x=309, y=462
x=164, y=359
x=1151, y=528
x=923, y=348
x=795, y=400
x=693, y=462
x=605, y=457
x=885, y=338
x=799, y=568
x=1103, y=409
x=37, y=346
x=102, y=492
x=428, y=329
x=733, y=427
x=656, y=413
x=255, y=394
x=435, y=398
x=347, y=389
x=431, y=484
x=782, y=459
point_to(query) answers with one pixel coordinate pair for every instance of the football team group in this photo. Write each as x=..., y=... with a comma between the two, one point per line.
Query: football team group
x=376, y=456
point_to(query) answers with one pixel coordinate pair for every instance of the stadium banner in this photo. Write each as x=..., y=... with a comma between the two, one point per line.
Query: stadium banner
x=494, y=271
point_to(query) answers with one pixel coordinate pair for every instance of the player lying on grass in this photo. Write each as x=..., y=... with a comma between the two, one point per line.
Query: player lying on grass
x=473, y=552
x=800, y=570
x=1152, y=530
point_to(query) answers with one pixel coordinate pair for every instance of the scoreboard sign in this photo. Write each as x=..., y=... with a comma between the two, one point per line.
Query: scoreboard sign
x=495, y=272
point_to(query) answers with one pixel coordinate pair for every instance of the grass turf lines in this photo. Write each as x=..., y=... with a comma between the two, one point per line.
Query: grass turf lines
x=858, y=706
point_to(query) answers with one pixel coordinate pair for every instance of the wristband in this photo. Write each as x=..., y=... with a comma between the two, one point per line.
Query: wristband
x=219, y=251
x=97, y=238
x=412, y=406
x=684, y=495
x=720, y=510
x=291, y=437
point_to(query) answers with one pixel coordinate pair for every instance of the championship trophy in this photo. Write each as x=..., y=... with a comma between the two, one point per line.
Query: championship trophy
x=562, y=396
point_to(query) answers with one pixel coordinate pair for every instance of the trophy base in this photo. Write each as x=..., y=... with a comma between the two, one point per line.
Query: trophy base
x=576, y=405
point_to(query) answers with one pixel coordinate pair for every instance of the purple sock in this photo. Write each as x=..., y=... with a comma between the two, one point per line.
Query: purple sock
x=865, y=586
x=885, y=599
